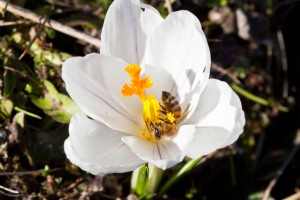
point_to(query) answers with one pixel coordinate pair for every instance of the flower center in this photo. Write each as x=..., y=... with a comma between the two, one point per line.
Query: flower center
x=160, y=120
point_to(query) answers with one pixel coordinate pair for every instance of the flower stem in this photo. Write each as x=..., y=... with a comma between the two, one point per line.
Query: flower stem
x=179, y=175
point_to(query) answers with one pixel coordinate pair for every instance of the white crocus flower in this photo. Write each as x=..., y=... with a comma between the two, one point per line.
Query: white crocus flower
x=147, y=97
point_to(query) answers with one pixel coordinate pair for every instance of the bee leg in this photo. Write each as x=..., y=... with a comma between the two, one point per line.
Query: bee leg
x=163, y=109
x=161, y=119
x=152, y=126
x=147, y=125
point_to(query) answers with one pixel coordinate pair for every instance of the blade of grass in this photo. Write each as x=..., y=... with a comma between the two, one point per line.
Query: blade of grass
x=255, y=98
x=27, y=113
x=179, y=175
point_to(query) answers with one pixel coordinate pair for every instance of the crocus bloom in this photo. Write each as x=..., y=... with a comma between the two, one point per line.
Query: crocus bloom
x=146, y=97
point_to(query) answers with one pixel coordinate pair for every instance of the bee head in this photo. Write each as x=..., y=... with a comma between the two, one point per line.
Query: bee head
x=157, y=132
x=156, y=129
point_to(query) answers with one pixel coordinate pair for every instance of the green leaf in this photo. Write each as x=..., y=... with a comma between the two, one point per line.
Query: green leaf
x=9, y=83
x=49, y=98
x=45, y=171
x=68, y=105
x=41, y=102
x=155, y=176
x=44, y=57
x=58, y=115
x=50, y=32
x=223, y=2
x=139, y=180
x=256, y=196
x=19, y=119
x=6, y=107
x=51, y=90
x=66, y=110
x=59, y=106
x=58, y=180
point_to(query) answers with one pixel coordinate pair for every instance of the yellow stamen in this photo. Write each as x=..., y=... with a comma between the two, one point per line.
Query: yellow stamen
x=151, y=109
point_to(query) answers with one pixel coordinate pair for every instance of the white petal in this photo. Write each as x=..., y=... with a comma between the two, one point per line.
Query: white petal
x=96, y=148
x=94, y=82
x=161, y=78
x=163, y=154
x=184, y=136
x=180, y=47
x=206, y=140
x=219, y=119
x=126, y=28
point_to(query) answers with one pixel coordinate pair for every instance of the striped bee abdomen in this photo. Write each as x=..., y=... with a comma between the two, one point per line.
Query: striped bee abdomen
x=171, y=104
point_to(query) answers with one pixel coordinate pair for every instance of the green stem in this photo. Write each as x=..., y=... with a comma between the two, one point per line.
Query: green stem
x=27, y=113
x=255, y=98
x=179, y=175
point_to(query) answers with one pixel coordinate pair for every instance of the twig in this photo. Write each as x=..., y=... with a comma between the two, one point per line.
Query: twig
x=59, y=3
x=14, y=193
x=259, y=148
x=279, y=173
x=73, y=185
x=34, y=38
x=22, y=73
x=12, y=23
x=295, y=196
x=269, y=46
x=169, y=6
x=50, y=23
x=225, y=72
x=284, y=63
x=37, y=172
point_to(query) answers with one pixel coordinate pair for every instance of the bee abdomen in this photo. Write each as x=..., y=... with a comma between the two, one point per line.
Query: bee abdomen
x=166, y=95
x=171, y=104
x=176, y=111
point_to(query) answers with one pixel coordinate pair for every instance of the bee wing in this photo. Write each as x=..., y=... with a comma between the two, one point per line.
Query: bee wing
x=184, y=114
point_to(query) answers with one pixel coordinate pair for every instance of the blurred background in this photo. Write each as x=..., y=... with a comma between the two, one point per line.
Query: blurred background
x=255, y=47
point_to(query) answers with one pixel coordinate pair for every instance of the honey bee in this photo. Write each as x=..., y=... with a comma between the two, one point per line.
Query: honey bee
x=171, y=105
